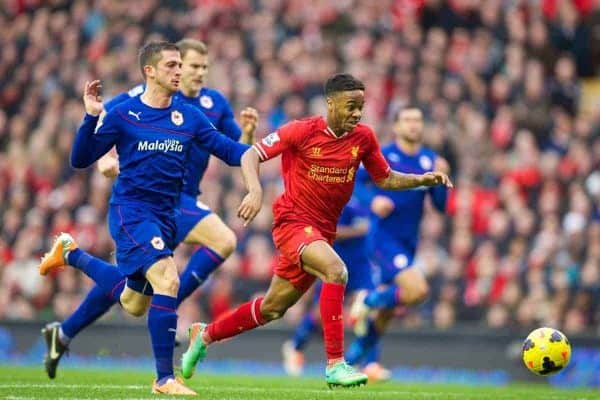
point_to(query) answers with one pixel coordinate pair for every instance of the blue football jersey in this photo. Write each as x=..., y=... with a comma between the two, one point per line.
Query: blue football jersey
x=354, y=250
x=218, y=111
x=404, y=221
x=153, y=145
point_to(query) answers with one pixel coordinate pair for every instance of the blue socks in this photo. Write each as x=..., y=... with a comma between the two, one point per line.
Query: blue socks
x=202, y=263
x=386, y=298
x=106, y=275
x=95, y=304
x=362, y=344
x=304, y=331
x=162, y=324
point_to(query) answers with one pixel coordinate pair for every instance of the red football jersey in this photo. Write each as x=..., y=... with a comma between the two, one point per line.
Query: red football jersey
x=319, y=169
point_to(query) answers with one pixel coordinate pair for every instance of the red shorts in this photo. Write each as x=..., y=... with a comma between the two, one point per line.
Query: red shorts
x=291, y=239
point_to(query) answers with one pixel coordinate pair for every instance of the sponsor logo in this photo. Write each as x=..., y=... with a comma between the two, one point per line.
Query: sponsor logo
x=206, y=101
x=271, y=139
x=350, y=176
x=163, y=146
x=53, y=353
x=157, y=243
x=136, y=115
x=176, y=117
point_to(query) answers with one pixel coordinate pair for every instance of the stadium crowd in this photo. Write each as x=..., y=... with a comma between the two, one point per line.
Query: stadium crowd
x=499, y=83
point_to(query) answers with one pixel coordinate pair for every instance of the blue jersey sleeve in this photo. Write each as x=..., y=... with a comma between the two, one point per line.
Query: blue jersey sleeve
x=227, y=124
x=439, y=196
x=364, y=190
x=216, y=143
x=93, y=140
x=135, y=91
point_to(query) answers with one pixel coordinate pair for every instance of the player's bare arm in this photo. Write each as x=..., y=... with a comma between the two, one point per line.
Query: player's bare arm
x=399, y=181
x=350, y=232
x=249, y=122
x=252, y=202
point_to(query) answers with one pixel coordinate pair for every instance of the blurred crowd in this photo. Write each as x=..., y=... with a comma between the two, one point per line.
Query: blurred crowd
x=500, y=83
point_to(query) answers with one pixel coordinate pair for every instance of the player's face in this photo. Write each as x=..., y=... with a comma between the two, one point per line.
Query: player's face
x=167, y=73
x=193, y=71
x=345, y=109
x=409, y=125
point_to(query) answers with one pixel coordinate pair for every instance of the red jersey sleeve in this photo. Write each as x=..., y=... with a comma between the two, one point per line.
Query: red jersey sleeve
x=374, y=161
x=277, y=142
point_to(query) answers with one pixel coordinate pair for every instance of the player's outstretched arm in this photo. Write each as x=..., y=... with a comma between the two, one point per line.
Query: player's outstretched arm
x=399, y=181
x=87, y=146
x=252, y=202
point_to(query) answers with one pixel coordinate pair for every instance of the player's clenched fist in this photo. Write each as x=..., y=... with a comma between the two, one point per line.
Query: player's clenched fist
x=92, y=99
x=436, y=178
x=250, y=206
x=108, y=165
x=249, y=118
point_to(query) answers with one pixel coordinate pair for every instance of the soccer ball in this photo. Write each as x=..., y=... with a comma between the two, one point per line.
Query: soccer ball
x=546, y=351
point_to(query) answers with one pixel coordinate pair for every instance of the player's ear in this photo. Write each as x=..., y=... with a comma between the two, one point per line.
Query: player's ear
x=330, y=103
x=148, y=70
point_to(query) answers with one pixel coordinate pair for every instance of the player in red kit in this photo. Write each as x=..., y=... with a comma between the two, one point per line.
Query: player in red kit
x=319, y=160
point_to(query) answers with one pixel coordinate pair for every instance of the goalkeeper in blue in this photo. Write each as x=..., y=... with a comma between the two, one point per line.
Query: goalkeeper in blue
x=395, y=224
x=153, y=134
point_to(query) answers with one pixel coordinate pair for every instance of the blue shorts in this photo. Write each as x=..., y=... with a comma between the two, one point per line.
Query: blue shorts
x=392, y=257
x=191, y=211
x=142, y=237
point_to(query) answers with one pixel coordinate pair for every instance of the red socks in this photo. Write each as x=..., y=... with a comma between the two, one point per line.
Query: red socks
x=331, y=305
x=245, y=317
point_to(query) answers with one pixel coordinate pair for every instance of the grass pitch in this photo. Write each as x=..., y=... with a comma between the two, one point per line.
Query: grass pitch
x=24, y=383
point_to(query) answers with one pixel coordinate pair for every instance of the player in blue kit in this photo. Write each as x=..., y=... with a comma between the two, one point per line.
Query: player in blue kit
x=153, y=134
x=196, y=223
x=351, y=246
x=395, y=231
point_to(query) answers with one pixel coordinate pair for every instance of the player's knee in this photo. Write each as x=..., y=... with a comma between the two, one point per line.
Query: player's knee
x=417, y=294
x=226, y=244
x=336, y=272
x=168, y=285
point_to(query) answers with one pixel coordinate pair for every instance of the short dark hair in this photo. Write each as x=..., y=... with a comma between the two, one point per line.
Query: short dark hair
x=150, y=53
x=192, y=44
x=408, y=106
x=342, y=83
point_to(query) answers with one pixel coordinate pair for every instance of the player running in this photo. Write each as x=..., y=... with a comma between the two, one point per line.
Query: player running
x=351, y=246
x=196, y=223
x=152, y=134
x=395, y=233
x=319, y=161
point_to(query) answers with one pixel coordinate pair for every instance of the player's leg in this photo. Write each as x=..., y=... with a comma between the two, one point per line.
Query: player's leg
x=162, y=324
x=59, y=335
x=280, y=296
x=321, y=260
x=198, y=225
x=292, y=350
x=65, y=251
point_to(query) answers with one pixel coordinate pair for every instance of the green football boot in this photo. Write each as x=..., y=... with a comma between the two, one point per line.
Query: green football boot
x=344, y=375
x=196, y=351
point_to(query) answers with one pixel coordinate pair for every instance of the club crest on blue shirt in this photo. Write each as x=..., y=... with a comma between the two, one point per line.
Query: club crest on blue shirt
x=206, y=101
x=176, y=117
x=425, y=162
x=157, y=243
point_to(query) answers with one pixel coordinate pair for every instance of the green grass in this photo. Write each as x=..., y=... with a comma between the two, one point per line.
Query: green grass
x=19, y=383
